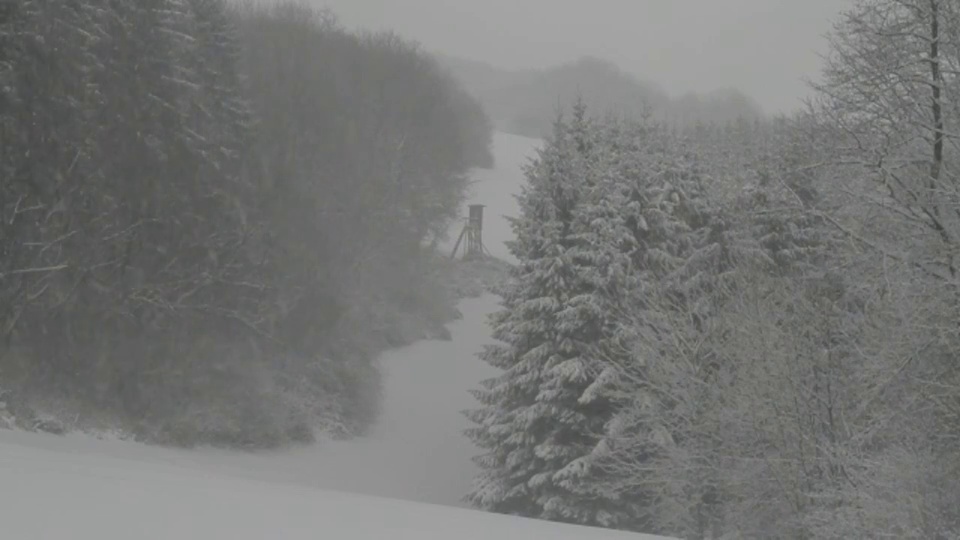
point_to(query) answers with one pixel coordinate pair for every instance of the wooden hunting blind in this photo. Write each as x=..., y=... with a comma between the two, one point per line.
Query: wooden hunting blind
x=473, y=233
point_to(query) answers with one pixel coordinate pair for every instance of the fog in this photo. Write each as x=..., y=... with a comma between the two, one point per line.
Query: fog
x=763, y=47
x=233, y=238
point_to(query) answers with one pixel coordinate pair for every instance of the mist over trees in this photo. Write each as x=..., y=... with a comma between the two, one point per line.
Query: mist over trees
x=213, y=217
x=525, y=102
x=767, y=311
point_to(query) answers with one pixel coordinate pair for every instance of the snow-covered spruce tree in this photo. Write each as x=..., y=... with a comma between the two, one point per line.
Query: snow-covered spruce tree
x=607, y=225
x=544, y=415
x=657, y=448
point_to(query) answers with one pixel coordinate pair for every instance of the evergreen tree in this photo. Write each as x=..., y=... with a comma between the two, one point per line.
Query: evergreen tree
x=562, y=346
x=780, y=201
x=606, y=228
x=532, y=425
x=679, y=266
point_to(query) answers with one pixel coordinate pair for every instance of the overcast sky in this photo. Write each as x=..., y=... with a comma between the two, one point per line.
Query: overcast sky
x=764, y=47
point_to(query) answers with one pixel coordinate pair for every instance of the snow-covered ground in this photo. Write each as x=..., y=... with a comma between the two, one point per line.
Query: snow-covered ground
x=50, y=493
x=83, y=488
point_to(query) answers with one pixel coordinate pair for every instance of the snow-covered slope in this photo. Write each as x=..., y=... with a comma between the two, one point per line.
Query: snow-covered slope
x=52, y=493
x=81, y=488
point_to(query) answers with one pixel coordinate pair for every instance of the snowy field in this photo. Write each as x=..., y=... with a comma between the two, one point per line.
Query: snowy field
x=51, y=493
x=81, y=488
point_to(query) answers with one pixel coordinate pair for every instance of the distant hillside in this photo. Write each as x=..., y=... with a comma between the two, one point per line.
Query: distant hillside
x=479, y=78
x=718, y=106
x=525, y=102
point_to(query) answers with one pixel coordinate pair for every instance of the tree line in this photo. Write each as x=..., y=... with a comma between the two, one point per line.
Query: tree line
x=746, y=331
x=524, y=102
x=212, y=218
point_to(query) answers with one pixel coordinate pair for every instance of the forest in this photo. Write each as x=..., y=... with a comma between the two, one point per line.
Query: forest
x=215, y=216
x=746, y=330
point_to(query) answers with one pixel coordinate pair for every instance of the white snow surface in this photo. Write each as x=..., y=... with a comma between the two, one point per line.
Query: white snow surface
x=403, y=481
x=51, y=493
